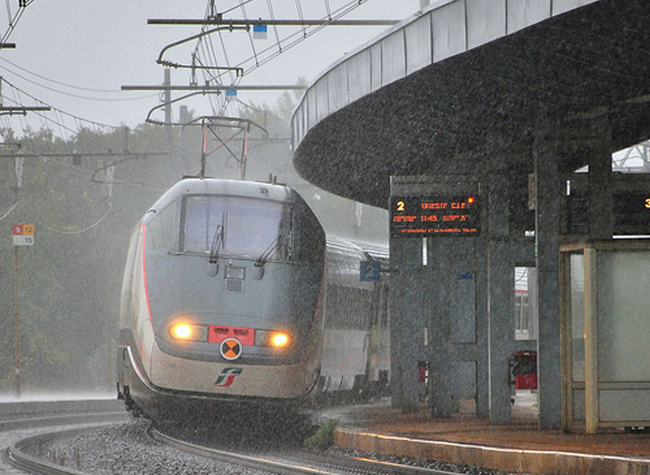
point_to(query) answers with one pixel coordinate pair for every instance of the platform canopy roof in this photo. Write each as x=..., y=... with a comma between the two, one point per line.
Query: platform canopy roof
x=583, y=76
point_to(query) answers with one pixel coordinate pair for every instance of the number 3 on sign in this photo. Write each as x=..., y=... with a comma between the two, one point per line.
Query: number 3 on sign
x=647, y=202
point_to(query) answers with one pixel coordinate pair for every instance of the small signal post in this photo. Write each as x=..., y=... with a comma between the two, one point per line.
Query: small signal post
x=23, y=235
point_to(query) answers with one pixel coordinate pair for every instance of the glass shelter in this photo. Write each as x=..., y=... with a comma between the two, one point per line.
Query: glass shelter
x=605, y=305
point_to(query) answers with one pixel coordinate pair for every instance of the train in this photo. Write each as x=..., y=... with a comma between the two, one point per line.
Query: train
x=234, y=297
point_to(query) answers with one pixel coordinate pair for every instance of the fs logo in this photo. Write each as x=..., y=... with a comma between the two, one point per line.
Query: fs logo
x=227, y=376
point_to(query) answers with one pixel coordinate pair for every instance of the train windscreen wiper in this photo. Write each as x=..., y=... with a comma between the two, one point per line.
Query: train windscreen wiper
x=264, y=257
x=218, y=240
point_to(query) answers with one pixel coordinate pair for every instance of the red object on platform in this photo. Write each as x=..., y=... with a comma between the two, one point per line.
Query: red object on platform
x=526, y=381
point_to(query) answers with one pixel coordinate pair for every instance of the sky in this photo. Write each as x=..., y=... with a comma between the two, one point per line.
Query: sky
x=75, y=55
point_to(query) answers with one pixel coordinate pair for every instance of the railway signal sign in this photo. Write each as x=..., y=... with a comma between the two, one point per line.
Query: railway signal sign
x=259, y=32
x=23, y=234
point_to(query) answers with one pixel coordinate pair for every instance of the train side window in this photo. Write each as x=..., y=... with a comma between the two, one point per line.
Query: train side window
x=309, y=238
x=285, y=247
x=160, y=229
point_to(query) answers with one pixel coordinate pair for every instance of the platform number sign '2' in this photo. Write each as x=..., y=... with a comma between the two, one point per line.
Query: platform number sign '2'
x=23, y=234
x=420, y=216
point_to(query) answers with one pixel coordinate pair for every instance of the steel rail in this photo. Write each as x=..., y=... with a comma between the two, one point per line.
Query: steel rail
x=47, y=414
x=16, y=456
x=296, y=463
x=305, y=463
x=258, y=463
x=60, y=419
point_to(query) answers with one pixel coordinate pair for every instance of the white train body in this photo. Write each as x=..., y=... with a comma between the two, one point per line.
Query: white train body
x=225, y=295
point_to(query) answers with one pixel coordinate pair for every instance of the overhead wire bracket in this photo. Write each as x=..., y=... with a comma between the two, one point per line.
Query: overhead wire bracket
x=22, y=110
x=219, y=20
x=163, y=62
x=211, y=123
x=149, y=120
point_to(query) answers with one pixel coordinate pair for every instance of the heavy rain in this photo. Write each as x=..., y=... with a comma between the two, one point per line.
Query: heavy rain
x=86, y=166
x=416, y=233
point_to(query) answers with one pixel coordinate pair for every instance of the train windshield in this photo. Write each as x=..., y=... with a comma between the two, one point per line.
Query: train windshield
x=234, y=226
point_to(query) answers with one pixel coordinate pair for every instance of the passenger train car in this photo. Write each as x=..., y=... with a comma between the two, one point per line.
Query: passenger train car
x=355, y=359
x=233, y=295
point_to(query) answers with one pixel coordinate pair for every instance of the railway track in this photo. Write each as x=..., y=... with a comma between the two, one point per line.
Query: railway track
x=26, y=424
x=19, y=456
x=92, y=443
x=297, y=461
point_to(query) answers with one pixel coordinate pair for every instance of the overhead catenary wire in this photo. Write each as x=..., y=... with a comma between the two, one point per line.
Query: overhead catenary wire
x=54, y=81
x=211, y=51
x=90, y=227
x=72, y=116
x=275, y=28
x=301, y=15
x=291, y=40
x=13, y=207
x=14, y=18
x=250, y=34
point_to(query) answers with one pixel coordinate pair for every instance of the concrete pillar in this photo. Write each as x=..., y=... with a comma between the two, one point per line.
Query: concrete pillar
x=600, y=184
x=549, y=192
x=433, y=305
x=482, y=365
x=406, y=322
x=447, y=257
x=500, y=274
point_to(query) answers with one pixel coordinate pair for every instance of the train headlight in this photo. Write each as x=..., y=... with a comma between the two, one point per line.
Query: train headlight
x=189, y=332
x=280, y=340
x=273, y=339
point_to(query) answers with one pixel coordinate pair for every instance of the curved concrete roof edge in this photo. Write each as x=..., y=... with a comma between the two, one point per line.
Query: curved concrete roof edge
x=480, y=24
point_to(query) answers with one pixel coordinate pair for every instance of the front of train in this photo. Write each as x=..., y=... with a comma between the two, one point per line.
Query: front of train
x=221, y=299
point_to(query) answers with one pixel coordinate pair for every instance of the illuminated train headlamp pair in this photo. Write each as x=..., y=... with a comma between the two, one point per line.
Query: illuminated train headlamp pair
x=196, y=332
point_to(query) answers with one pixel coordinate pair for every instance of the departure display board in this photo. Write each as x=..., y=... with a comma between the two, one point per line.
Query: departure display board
x=631, y=213
x=417, y=216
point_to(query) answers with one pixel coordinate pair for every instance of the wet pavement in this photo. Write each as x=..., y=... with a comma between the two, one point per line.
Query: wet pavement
x=519, y=447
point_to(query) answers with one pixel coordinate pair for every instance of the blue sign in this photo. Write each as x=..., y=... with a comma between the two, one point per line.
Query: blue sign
x=370, y=270
x=259, y=32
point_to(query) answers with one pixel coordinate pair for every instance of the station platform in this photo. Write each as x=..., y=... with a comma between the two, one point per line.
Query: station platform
x=519, y=447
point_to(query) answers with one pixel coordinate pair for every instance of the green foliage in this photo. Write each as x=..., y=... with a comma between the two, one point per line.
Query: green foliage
x=274, y=120
x=68, y=283
x=323, y=438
